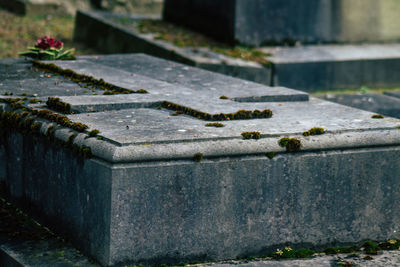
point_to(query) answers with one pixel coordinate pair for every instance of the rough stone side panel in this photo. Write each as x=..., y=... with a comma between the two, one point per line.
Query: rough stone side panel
x=69, y=194
x=223, y=209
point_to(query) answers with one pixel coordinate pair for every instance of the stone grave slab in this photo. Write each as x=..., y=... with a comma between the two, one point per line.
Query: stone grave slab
x=308, y=68
x=157, y=184
x=262, y=22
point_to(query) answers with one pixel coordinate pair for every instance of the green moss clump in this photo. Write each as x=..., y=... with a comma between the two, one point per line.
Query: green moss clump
x=198, y=157
x=215, y=124
x=93, y=133
x=314, y=131
x=223, y=97
x=251, y=135
x=371, y=248
x=270, y=155
x=141, y=91
x=86, y=152
x=377, y=116
x=56, y=104
x=80, y=127
x=291, y=144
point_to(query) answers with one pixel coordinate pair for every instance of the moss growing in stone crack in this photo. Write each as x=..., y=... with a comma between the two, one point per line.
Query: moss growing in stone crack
x=86, y=80
x=251, y=135
x=223, y=97
x=314, y=131
x=377, y=116
x=239, y=115
x=215, y=124
x=291, y=144
x=56, y=104
x=141, y=91
x=198, y=157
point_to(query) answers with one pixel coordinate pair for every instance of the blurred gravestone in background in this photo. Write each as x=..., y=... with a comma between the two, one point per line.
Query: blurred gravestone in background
x=261, y=22
x=24, y=7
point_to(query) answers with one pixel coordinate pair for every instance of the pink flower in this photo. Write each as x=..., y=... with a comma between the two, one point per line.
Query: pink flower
x=47, y=42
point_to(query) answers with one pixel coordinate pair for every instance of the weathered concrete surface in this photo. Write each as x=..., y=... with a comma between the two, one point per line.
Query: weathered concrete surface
x=261, y=22
x=308, y=68
x=142, y=198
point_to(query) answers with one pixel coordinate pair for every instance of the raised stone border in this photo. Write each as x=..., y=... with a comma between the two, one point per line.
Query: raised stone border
x=307, y=68
x=161, y=188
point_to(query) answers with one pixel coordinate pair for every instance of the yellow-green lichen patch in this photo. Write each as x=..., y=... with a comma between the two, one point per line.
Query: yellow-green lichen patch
x=314, y=131
x=56, y=104
x=291, y=144
x=223, y=97
x=377, y=116
x=239, y=115
x=198, y=157
x=183, y=37
x=251, y=135
x=215, y=124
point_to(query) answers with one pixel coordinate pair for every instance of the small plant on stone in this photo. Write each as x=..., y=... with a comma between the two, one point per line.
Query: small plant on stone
x=48, y=48
x=289, y=253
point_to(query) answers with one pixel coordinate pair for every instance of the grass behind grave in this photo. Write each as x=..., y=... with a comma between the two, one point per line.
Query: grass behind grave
x=19, y=32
